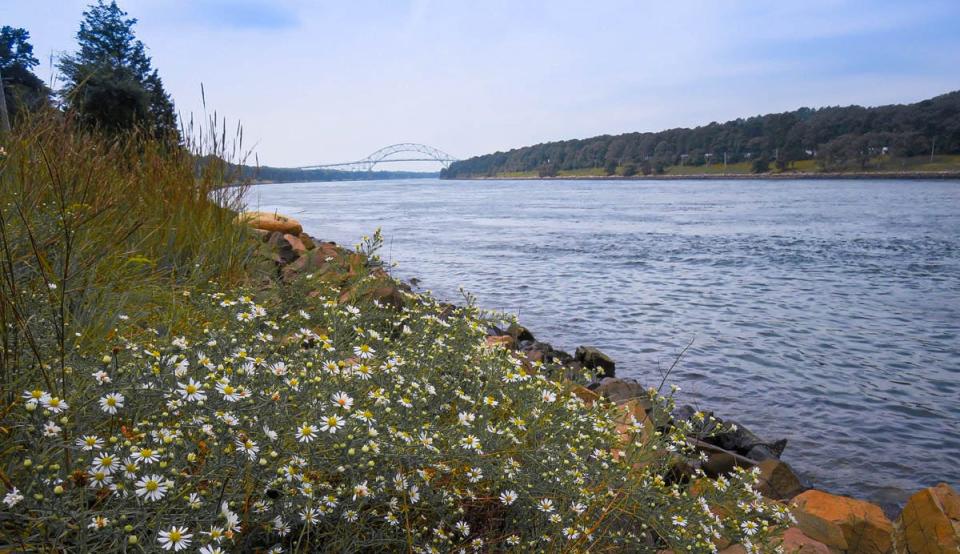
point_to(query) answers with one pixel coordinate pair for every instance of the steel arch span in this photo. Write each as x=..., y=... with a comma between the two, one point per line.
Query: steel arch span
x=423, y=153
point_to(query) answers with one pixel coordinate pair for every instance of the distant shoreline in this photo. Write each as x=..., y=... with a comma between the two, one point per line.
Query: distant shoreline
x=866, y=175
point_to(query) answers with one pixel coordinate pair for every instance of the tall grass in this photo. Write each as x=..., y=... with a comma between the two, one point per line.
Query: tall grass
x=93, y=227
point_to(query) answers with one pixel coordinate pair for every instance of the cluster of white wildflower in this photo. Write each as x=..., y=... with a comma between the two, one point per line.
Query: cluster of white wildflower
x=333, y=426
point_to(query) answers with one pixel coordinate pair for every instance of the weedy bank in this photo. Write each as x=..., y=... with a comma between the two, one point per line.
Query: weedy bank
x=164, y=389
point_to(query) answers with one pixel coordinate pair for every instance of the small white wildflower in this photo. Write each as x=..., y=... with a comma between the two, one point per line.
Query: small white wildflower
x=12, y=498
x=151, y=487
x=175, y=538
x=112, y=402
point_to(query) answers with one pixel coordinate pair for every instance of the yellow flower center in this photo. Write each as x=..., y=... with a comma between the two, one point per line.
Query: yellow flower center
x=151, y=485
x=191, y=389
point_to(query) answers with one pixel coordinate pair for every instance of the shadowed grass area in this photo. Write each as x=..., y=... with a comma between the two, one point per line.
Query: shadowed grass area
x=93, y=226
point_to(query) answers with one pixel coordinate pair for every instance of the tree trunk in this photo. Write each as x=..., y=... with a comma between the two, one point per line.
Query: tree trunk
x=4, y=116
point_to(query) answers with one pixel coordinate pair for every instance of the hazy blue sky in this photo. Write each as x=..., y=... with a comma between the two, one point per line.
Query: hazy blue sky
x=319, y=81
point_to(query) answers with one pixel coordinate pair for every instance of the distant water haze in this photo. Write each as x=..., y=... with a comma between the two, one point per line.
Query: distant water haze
x=824, y=312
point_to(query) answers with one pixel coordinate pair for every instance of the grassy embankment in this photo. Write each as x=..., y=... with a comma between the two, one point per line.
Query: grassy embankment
x=918, y=164
x=161, y=386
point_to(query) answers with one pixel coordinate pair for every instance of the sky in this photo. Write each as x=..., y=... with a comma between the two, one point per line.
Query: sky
x=323, y=81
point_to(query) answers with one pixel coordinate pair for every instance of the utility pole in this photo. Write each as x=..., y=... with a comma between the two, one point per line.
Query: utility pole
x=4, y=117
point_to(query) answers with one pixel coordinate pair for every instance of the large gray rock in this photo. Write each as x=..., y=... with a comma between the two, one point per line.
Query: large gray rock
x=745, y=442
x=520, y=333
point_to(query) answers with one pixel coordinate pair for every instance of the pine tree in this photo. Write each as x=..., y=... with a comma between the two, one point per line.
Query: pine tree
x=110, y=81
x=22, y=89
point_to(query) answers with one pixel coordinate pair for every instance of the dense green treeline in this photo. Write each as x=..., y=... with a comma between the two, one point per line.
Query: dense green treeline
x=836, y=138
x=293, y=175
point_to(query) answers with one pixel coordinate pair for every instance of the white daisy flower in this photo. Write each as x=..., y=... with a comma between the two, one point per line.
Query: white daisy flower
x=108, y=463
x=230, y=393
x=364, y=351
x=306, y=432
x=342, y=400
x=151, y=487
x=248, y=447
x=112, y=402
x=35, y=396
x=175, y=538
x=191, y=391
x=332, y=424
x=90, y=442
x=54, y=404
x=146, y=455
x=463, y=527
x=470, y=442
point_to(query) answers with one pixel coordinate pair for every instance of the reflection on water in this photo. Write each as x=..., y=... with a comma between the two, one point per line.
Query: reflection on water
x=825, y=312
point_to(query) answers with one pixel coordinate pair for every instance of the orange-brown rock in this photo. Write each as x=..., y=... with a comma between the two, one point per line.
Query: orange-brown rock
x=270, y=221
x=930, y=522
x=796, y=542
x=778, y=481
x=734, y=549
x=631, y=412
x=843, y=523
x=506, y=341
x=628, y=414
x=388, y=294
x=585, y=394
x=295, y=243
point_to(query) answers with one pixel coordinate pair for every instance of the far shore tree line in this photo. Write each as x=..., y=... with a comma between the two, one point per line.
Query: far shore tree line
x=834, y=138
x=109, y=82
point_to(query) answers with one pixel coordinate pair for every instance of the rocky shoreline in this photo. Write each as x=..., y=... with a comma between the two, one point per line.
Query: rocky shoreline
x=825, y=523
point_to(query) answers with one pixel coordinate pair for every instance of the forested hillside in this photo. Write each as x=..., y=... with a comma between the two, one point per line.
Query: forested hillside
x=268, y=174
x=830, y=139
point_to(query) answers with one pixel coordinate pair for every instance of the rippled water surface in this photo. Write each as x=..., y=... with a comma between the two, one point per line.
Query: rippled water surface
x=825, y=312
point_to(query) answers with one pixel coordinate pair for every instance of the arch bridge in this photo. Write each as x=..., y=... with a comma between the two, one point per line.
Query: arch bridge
x=411, y=152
